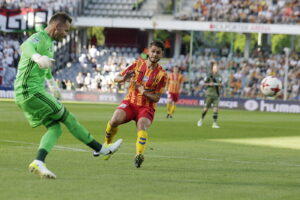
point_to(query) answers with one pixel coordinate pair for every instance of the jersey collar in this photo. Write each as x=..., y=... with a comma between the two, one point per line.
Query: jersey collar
x=47, y=35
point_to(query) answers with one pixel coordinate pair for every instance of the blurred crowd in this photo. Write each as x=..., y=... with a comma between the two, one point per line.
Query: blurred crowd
x=241, y=77
x=94, y=69
x=251, y=11
x=9, y=56
x=69, y=6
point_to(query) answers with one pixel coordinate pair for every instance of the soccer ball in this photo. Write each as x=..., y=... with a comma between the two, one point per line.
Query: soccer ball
x=270, y=86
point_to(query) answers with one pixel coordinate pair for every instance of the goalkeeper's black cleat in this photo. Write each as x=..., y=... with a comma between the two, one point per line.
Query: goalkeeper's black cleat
x=138, y=160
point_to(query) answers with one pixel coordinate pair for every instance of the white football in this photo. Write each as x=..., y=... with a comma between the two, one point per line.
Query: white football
x=270, y=86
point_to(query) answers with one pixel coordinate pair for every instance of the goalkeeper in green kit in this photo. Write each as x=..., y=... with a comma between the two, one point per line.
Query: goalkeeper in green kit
x=40, y=107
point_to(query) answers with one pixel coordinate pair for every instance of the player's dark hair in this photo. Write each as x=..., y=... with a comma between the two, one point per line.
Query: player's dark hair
x=60, y=17
x=158, y=43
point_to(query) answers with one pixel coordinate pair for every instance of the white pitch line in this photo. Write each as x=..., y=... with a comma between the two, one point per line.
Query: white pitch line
x=163, y=156
x=55, y=147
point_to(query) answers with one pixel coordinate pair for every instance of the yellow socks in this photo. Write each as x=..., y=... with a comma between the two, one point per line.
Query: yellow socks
x=169, y=108
x=110, y=133
x=173, y=107
x=141, y=141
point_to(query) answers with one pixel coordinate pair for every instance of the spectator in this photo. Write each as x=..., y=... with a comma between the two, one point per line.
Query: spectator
x=69, y=85
x=93, y=52
x=168, y=46
x=87, y=81
x=253, y=11
x=94, y=41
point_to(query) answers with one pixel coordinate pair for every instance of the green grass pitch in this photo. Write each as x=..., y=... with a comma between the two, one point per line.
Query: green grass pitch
x=253, y=156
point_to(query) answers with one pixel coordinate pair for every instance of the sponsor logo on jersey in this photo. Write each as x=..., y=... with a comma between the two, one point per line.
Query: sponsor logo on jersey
x=146, y=78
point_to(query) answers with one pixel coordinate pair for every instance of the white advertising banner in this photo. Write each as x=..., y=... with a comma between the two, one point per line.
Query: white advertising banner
x=254, y=28
x=262, y=105
x=22, y=19
x=157, y=23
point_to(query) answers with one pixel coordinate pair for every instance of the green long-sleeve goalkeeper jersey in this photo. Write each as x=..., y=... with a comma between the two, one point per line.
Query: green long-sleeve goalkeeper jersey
x=30, y=78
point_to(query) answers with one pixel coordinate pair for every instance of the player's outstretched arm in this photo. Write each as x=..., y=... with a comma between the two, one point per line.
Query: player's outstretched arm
x=119, y=78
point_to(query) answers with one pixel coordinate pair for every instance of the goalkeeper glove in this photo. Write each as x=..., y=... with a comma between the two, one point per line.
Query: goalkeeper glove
x=54, y=88
x=43, y=62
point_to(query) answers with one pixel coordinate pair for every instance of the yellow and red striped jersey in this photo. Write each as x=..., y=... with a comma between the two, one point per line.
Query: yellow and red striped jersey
x=174, y=82
x=153, y=80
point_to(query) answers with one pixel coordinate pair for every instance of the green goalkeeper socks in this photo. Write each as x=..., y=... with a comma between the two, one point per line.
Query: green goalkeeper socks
x=50, y=138
x=41, y=155
x=77, y=129
x=95, y=145
x=54, y=131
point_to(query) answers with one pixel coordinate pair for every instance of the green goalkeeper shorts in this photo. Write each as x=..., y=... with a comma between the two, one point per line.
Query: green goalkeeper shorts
x=211, y=100
x=42, y=108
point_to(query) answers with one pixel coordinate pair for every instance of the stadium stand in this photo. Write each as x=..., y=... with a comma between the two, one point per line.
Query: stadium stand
x=9, y=56
x=96, y=68
x=93, y=68
x=118, y=8
x=69, y=6
x=270, y=11
x=241, y=76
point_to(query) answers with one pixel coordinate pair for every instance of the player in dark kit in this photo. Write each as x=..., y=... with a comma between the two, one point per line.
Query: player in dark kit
x=212, y=96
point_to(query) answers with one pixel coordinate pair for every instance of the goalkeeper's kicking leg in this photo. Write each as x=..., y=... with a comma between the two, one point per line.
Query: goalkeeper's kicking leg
x=80, y=132
x=52, y=135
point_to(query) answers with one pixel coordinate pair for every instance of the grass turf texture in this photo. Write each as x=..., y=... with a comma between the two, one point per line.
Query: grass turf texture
x=245, y=159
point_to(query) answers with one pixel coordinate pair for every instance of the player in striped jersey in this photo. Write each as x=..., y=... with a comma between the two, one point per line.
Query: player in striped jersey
x=174, y=86
x=147, y=82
